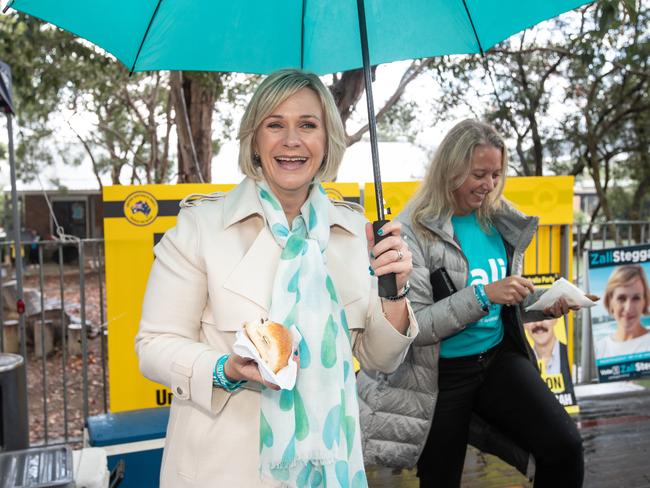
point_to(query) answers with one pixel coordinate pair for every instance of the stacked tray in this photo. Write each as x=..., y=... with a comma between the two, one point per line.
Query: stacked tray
x=40, y=467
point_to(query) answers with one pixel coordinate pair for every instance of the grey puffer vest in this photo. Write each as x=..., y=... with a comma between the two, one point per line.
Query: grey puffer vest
x=397, y=409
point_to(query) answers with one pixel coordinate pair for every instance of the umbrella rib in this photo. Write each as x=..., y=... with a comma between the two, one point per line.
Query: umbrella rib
x=471, y=21
x=144, y=38
x=302, y=36
x=4, y=10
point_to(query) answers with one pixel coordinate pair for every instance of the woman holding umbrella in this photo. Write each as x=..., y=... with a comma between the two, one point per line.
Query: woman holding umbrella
x=471, y=360
x=274, y=247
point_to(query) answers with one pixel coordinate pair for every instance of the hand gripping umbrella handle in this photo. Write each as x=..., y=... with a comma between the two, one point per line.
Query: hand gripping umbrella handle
x=387, y=282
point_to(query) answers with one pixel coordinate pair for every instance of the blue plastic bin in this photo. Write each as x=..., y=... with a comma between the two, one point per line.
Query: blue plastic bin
x=137, y=437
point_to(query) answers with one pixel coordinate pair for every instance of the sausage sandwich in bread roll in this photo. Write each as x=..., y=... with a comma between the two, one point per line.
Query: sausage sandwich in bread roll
x=272, y=340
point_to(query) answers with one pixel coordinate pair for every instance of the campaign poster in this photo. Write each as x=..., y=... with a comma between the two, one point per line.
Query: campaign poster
x=620, y=321
x=548, y=339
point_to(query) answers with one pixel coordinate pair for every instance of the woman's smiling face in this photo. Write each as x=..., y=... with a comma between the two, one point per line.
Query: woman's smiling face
x=484, y=175
x=627, y=304
x=291, y=144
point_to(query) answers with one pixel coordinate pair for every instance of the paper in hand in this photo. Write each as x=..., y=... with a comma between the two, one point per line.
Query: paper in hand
x=562, y=288
x=286, y=377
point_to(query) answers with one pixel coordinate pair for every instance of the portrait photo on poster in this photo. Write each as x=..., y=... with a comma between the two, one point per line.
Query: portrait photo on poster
x=549, y=342
x=620, y=322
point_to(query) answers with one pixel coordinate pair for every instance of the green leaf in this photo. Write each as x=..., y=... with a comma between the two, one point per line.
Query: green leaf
x=305, y=354
x=344, y=324
x=303, y=476
x=359, y=480
x=293, y=247
x=342, y=474
x=265, y=195
x=328, y=346
x=293, y=282
x=289, y=453
x=313, y=219
x=330, y=288
x=349, y=429
x=280, y=230
x=317, y=478
x=286, y=400
x=281, y=474
x=266, y=433
x=302, y=421
x=332, y=427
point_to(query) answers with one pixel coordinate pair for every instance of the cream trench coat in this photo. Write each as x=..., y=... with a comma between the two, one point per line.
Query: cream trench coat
x=212, y=272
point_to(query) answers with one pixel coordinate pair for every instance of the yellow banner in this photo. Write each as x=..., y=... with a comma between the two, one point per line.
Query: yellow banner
x=396, y=195
x=135, y=218
x=548, y=197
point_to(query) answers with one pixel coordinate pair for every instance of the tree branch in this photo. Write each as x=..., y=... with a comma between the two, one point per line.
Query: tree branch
x=412, y=72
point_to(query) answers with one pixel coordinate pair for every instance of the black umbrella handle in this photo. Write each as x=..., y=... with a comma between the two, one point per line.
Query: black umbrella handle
x=387, y=282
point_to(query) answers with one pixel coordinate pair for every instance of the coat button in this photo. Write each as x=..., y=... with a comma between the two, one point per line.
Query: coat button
x=179, y=390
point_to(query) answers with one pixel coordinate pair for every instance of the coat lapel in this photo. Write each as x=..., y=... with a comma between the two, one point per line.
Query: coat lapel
x=253, y=277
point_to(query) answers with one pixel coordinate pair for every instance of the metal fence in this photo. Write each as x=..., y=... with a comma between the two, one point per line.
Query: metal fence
x=62, y=332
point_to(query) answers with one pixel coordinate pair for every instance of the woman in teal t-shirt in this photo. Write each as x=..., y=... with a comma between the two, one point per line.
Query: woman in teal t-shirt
x=471, y=359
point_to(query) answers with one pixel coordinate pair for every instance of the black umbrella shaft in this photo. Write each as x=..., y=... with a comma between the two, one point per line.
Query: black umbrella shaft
x=372, y=121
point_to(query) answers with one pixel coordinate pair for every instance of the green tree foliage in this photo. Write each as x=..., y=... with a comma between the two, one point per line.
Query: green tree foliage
x=126, y=125
x=572, y=98
x=609, y=79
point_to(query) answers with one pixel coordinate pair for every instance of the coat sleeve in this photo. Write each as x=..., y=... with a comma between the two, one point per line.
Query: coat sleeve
x=167, y=344
x=437, y=320
x=378, y=346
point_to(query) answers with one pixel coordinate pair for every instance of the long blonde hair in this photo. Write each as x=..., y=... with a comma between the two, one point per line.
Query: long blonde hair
x=274, y=90
x=449, y=168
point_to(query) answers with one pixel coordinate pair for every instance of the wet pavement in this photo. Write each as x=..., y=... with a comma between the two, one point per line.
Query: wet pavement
x=614, y=422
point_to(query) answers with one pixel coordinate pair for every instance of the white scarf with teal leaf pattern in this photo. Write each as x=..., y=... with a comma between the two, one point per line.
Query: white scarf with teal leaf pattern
x=309, y=436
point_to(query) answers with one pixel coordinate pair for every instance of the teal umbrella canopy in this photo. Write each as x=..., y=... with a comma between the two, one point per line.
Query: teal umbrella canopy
x=260, y=36
x=323, y=36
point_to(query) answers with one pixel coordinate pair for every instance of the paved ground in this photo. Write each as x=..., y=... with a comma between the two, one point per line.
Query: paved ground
x=614, y=421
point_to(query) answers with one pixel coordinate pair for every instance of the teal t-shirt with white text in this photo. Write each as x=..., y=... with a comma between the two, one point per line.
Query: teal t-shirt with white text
x=486, y=256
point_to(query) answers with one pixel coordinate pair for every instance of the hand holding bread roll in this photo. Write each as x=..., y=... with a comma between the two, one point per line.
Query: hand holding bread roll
x=273, y=342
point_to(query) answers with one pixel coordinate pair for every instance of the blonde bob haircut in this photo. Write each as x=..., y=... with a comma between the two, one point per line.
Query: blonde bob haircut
x=274, y=90
x=449, y=168
x=623, y=276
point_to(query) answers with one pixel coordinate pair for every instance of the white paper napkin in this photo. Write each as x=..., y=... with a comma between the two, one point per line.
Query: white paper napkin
x=286, y=377
x=562, y=288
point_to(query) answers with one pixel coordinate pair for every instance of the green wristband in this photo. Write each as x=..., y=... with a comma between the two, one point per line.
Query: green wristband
x=219, y=378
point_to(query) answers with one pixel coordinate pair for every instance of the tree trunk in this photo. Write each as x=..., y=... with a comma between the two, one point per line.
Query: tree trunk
x=347, y=91
x=538, y=152
x=193, y=103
